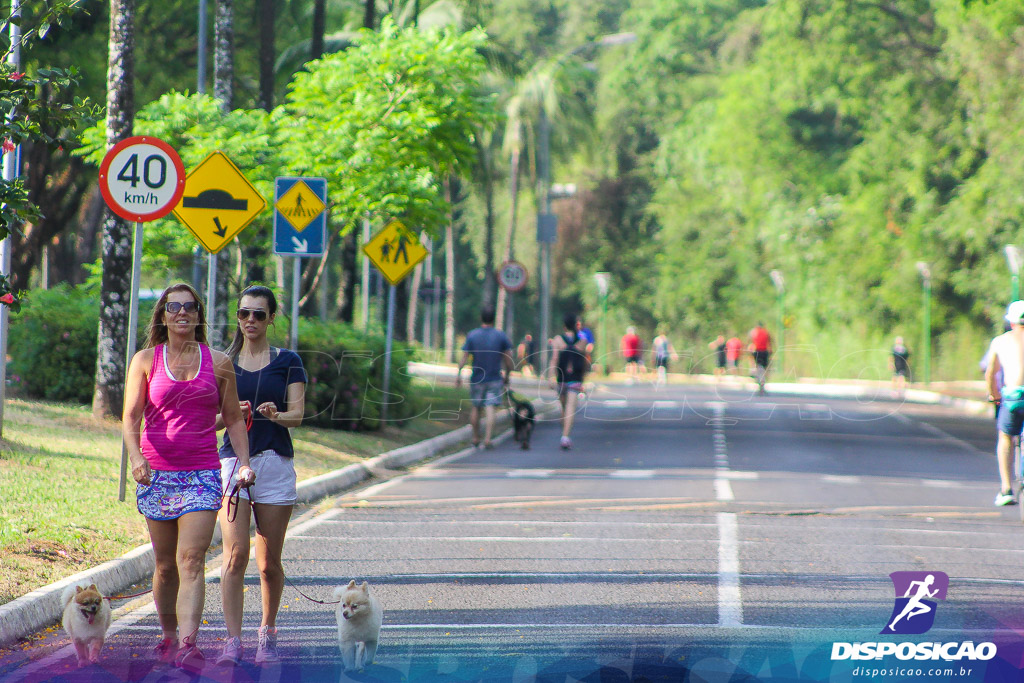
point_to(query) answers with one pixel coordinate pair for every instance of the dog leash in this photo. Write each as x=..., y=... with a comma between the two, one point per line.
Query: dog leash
x=233, y=500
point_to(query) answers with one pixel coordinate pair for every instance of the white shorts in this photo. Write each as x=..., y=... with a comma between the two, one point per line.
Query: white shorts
x=275, y=478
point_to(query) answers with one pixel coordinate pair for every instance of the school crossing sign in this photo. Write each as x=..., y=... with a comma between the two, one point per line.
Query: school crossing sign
x=395, y=251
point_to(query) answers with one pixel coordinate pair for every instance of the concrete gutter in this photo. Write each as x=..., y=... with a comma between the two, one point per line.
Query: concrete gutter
x=42, y=607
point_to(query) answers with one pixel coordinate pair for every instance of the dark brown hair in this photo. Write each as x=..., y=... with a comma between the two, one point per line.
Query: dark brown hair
x=260, y=292
x=156, y=333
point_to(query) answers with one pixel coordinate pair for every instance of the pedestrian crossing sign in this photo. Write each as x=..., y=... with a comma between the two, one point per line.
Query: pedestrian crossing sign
x=395, y=251
x=300, y=206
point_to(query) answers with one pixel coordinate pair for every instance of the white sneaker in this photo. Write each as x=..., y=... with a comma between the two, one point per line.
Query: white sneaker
x=232, y=654
x=266, y=646
x=1005, y=498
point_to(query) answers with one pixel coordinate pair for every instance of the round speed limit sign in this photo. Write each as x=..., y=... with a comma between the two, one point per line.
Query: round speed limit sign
x=142, y=178
x=512, y=276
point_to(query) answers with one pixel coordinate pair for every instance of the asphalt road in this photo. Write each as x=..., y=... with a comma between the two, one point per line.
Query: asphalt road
x=692, y=533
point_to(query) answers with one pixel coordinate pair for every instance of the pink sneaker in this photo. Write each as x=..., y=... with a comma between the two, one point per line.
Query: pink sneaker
x=165, y=651
x=190, y=658
x=565, y=443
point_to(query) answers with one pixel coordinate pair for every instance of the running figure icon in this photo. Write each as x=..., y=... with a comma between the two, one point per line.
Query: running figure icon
x=917, y=593
x=915, y=607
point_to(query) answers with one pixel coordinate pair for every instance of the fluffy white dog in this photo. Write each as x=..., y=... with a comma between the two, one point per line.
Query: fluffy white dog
x=86, y=619
x=359, y=619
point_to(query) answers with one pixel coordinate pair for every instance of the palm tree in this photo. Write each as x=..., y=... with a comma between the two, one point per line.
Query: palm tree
x=550, y=87
x=108, y=395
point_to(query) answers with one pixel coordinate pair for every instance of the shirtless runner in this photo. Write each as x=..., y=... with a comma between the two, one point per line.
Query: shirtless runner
x=1007, y=354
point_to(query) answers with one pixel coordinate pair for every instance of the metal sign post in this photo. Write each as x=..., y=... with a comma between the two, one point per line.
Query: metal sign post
x=293, y=335
x=395, y=251
x=388, y=340
x=300, y=229
x=141, y=179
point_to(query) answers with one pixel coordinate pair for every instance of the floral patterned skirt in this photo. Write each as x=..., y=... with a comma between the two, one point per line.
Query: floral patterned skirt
x=173, y=494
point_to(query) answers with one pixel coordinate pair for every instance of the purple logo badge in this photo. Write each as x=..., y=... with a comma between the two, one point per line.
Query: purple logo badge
x=916, y=593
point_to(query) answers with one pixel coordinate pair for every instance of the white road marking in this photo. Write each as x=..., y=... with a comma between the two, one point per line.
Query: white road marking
x=495, y=539
x=632, y=474
x=616, y=403
x=529, y=474
x=942, y=483
x=730, y=605
x=841, y=479
x=723, y=490
x=666, y=404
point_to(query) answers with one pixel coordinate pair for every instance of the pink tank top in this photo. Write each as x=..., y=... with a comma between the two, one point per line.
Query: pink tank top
x=180, y=416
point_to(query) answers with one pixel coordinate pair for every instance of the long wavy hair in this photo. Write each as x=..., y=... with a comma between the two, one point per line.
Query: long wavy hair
x=260, y=292
x=156, y=333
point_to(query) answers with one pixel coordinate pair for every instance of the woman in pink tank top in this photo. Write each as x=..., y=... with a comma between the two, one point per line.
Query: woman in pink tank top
x=178, y=384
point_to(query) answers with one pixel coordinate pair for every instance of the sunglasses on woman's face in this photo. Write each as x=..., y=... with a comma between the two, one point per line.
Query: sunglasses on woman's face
x=244, y=313
x=175, y=306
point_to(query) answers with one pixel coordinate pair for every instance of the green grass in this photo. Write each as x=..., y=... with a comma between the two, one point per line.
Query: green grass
x=59, y=471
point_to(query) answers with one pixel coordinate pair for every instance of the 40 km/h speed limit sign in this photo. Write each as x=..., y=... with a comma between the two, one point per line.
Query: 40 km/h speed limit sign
x=512, y=276
x=142, y=178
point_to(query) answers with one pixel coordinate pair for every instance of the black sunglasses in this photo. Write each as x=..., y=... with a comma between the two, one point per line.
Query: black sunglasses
x=260, y=315
x=175, y=306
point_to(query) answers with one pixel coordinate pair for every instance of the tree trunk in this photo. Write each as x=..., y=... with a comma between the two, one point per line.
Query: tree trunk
x=223, y=90
x=370, y=15
x=414, y=296
x=513, y=182
x=266, y=18
x=347, y=287
x=108, y=394
x=316, y=44
x=449, y=272
x=489, y=281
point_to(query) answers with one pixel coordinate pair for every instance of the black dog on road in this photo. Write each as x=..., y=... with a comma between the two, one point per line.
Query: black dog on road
x=522, y=419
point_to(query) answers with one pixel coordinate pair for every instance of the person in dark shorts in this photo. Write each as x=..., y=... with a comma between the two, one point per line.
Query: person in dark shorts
x=631, y=352
x=899, y=363
x=567, y=369
x=527, y=355
x=491, y=352
x=718, y=346
x=760, y=349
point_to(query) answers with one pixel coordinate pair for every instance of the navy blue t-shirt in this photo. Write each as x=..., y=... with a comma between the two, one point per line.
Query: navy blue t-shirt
x=269, y=383
x=488, y=346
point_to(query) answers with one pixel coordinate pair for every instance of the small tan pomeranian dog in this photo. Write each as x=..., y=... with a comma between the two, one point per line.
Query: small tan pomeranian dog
x=359, y=619
x=86, y=619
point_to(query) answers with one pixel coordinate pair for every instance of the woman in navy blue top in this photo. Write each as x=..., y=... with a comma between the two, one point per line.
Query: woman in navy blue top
x=271, y=389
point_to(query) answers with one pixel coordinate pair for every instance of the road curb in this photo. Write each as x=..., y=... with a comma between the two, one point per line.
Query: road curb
x=42, y=607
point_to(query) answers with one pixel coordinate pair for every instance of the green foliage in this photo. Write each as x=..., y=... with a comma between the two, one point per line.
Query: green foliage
x=384, y=122
x=36, y=108
x=345, y=370
x=53, y=345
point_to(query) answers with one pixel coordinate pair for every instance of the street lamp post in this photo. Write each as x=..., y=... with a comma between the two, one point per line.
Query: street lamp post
x=602, y=291
x=780, y=288
x=1013, y=259
x=547, y=231
x=926, y=354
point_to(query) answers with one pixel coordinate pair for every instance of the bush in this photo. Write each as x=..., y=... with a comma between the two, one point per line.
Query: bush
x=53, y=344
x=345, y=368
